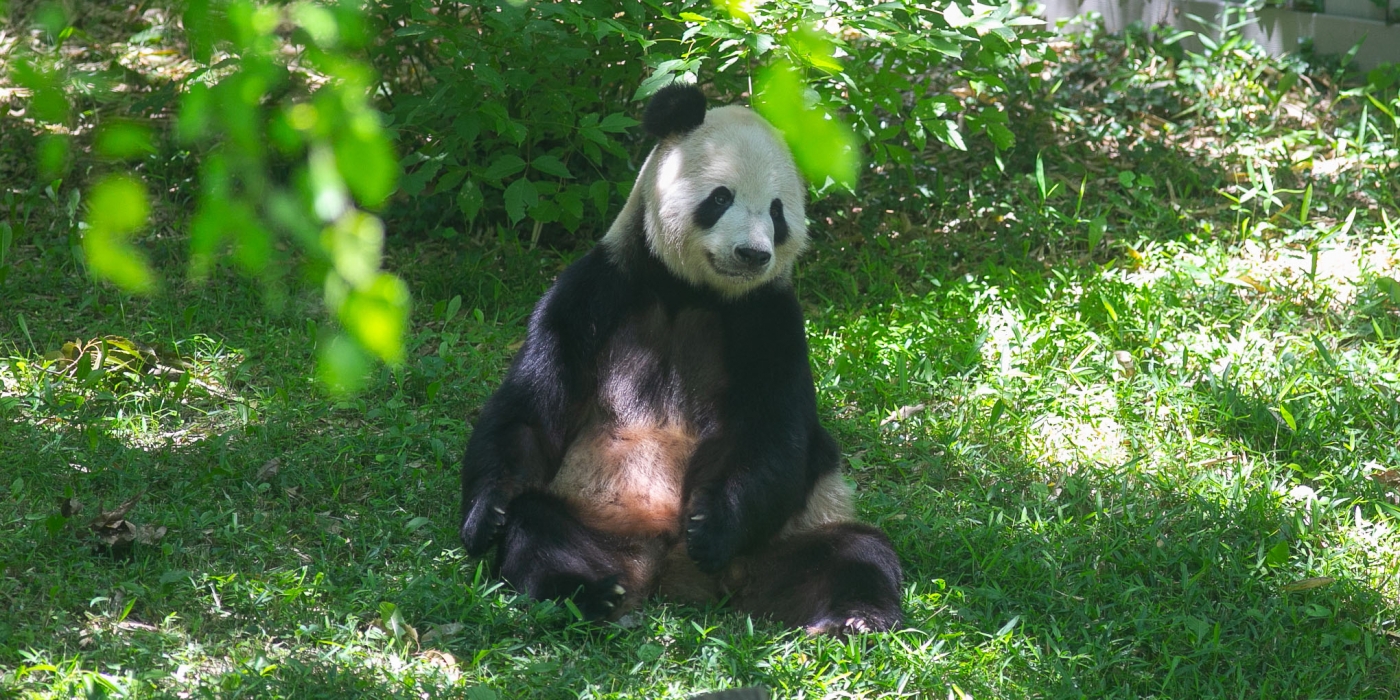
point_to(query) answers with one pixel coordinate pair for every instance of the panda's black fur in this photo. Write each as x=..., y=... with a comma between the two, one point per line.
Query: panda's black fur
x=658, y=435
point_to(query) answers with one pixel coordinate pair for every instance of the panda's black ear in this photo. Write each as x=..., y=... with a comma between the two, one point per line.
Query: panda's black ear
x=674, y=109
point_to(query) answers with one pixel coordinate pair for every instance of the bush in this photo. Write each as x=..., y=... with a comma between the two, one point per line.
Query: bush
x=514, y=114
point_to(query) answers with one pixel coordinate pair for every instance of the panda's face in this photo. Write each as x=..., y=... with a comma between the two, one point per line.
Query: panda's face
x=724, y=203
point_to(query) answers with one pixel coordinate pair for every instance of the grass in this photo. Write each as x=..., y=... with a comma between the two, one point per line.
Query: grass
x=1130, y=426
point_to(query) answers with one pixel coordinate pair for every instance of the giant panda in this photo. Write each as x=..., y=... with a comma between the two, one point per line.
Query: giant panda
x=657, y=432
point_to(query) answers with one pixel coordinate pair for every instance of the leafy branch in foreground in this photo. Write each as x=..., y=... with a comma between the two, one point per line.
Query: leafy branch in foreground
x=277, y=162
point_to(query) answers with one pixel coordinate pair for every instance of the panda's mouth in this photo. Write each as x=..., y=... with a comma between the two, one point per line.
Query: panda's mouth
x=739, y=271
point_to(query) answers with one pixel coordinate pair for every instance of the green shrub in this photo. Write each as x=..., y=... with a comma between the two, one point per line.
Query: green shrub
x=516, y=115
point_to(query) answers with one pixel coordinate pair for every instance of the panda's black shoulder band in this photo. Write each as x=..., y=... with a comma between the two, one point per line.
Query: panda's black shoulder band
x=675, y=109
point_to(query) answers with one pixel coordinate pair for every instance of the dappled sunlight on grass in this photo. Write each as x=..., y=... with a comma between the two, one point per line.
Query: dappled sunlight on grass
x=147, y=400
x=1083, y=430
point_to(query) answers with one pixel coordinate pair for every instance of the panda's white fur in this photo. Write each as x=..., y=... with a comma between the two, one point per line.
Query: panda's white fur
x=733, y=148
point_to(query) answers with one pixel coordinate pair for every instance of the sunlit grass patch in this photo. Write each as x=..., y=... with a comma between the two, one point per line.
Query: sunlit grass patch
x=147, y=397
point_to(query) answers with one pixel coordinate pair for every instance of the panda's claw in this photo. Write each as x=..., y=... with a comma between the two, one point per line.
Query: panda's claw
x=601, y=599
x=712, y=536
x=483, y=523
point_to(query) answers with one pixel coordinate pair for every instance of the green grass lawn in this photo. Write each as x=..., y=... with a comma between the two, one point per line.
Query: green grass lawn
x=1132, y=424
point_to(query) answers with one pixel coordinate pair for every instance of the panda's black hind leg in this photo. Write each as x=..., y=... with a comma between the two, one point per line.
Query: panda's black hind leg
x=548, y=554
x=838, y=579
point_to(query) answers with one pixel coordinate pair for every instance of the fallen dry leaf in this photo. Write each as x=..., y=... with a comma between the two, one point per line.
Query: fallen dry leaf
x=118, y=535
x=114, y=532
x=148, y=534
x=328, y=523
x=903, y=413
x=269, y=469
x=440, y=659
x=443, y=632
x=1308, y=584
x=1389, y=477
x=1125, y=361
x=111, y=517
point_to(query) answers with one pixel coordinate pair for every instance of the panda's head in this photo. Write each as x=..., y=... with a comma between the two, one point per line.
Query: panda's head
x=720, y=197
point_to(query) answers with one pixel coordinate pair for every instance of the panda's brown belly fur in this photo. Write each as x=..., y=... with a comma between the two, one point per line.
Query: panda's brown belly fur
x=626, y=480
x=624, y=469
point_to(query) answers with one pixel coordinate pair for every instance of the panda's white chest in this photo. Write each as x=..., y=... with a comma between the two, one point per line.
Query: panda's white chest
x=659, y=381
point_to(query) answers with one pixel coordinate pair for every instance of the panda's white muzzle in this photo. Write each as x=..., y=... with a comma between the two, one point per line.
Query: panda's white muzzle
x=744, y=261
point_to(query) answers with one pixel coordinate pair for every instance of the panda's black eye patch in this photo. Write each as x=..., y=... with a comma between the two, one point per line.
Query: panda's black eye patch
x=714, y=206
x=780, y=227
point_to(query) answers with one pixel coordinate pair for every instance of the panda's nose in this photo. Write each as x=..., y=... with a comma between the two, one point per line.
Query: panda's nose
x=753, y=257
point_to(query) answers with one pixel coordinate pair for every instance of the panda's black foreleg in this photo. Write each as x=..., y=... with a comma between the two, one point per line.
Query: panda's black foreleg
x=767, y=483
x=548, y=554
x=508, y=453
x=741, y=492
x=837, y=579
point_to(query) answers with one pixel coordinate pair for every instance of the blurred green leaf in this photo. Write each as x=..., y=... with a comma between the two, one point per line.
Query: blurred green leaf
x=356, y=246
x=617, y=123
x=342, y=365
x=1001, y=135
x=822, y=146
x=1097, y=228
x=200, y=28
x=319, y=22
x=377, y=315
x=366, y=160
x=329, y=194
x=47, y=102
x=503, y=167
x=123, y=139
x=814, y=47
x=946, y=130
x=599, y=193
x=52, y=17
x=1390, y=287
x=253, y=247
x=195, y=108
x=117, y=207
x=53, y=156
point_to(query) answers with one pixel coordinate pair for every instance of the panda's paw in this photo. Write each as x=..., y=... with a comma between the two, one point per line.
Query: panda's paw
x=601, y=599
x=844, y=626
x=711, y=538
x=853, y=622
x=482, y=525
